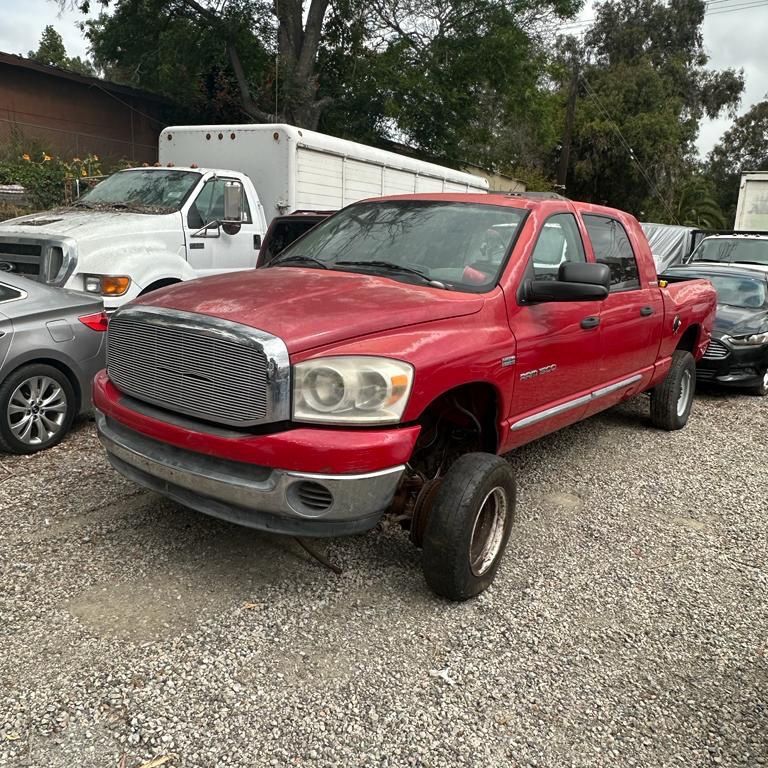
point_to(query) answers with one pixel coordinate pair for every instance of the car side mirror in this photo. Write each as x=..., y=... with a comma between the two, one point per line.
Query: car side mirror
x=233, y=208
x=576, y=281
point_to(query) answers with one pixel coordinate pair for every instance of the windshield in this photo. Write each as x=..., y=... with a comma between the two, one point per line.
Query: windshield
x=458, y=245
x=726, y=249
x=745, y=292
x=145, y=191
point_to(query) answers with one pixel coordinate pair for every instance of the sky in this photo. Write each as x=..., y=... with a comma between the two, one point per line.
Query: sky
x=735, y=35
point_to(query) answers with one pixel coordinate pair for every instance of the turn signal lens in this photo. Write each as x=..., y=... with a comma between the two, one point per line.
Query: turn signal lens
x=96, y=322
x=114, y=286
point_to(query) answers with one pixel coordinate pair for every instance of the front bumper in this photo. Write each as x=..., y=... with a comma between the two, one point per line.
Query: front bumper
x=734, y=366
x=275, y=500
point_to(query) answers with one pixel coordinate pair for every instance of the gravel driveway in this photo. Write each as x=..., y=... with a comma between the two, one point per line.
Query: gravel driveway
x=627, y=626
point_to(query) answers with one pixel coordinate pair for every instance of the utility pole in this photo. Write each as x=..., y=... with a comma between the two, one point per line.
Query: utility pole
x=570, y=112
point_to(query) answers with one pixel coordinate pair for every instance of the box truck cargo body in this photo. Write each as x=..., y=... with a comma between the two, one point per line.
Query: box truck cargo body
x=295, y=169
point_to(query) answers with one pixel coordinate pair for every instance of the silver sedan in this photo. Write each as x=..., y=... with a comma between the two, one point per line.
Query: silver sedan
x=51, y=346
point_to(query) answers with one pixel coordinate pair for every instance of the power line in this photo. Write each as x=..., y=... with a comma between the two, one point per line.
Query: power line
x=736, y=5
x=591, y=93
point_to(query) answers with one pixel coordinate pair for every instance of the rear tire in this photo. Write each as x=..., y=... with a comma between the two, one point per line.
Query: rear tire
x=37, y=407
x=469, y=526
x=671, y=401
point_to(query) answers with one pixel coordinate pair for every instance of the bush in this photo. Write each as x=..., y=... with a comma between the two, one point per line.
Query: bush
x=48, y=180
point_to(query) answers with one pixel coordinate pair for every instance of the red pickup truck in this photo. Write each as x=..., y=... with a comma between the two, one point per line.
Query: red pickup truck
x=386, y=359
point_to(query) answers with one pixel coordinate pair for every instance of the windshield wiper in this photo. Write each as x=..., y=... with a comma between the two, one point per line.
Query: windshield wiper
x=299, y=259
x=81, y=204
x=389, y=266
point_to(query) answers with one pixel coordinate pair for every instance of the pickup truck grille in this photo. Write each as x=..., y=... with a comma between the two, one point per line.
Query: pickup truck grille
x=716, y=350
x=20, y=258
x=199, y=366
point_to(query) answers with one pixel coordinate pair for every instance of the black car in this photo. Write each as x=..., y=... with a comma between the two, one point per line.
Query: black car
x=737, y=355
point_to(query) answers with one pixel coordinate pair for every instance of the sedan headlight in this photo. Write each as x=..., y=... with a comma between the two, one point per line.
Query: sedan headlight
x=755, y=340
x=107, y=285
x=351, y=390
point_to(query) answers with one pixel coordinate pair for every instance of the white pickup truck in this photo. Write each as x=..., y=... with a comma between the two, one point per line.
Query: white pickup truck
x=205, y=207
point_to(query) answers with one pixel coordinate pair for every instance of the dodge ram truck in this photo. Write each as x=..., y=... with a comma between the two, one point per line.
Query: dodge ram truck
x=386, y=361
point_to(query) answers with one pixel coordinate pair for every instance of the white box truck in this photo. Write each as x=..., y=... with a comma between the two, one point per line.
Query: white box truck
x=752, y=206
x=205, y=207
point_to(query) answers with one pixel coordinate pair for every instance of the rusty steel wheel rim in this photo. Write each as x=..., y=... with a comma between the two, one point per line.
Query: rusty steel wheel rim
x=488, y=531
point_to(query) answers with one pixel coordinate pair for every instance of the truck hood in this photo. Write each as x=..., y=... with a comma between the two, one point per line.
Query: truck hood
x=84, y=225
x=310, y=308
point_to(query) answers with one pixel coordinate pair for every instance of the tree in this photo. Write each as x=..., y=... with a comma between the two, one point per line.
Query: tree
x=267, y=51
x=51, y=51
x=456, y=79
x=743, y=147
x=643, y=90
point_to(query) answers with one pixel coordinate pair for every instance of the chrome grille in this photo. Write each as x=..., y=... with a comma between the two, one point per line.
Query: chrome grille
x=22, y=258
x=716, y=350
x=199, y=366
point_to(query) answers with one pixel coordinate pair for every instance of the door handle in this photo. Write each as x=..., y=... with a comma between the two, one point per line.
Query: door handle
x=646, y=311
x=590, y=322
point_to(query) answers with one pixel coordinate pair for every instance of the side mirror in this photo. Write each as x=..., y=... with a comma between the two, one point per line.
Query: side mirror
x=576, y=281
x=233, y=208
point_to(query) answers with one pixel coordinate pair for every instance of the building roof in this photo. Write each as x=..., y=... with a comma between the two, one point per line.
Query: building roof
x=13, y=60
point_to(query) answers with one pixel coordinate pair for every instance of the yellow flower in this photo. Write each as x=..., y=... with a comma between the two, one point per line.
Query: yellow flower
x=83, y=172
x=26, y=157
x=46, y=158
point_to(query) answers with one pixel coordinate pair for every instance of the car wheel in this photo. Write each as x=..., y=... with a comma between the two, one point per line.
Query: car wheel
x=469, y=525
x=671, y=400
x=761, y=390
x=37, y=406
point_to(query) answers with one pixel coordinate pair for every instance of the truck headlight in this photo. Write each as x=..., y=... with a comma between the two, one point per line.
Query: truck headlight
x=107, y=285
x=351, y=390
x=754, y=340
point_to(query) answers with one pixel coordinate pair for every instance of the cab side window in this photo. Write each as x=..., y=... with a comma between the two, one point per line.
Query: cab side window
x=209, y=204
x=559, y=241
x=612, y=247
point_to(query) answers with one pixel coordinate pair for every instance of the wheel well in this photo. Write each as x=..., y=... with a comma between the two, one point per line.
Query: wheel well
x=59, y=366
x=460, y=420
x=689, y=339
x=164, y=283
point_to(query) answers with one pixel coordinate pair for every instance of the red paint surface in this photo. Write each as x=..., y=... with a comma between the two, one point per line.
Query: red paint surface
x=451, y=339
x=306, y=449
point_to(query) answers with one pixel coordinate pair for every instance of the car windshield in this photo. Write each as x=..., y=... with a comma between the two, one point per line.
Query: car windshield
x=725, y=249
x=145, y=191
x=448, y=244
x=738, y=291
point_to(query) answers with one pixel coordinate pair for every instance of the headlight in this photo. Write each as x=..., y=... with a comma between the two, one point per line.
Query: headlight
x=354, y=390
x=755, y=340
x=107, y=285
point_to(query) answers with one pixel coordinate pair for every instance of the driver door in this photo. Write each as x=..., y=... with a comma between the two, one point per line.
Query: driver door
x=214, y=250
x=558, y=343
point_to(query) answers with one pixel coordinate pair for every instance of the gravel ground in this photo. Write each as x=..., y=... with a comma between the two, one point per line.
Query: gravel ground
x=627, y=626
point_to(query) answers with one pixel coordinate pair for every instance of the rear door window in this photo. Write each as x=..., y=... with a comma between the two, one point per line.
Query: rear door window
x=612, y=248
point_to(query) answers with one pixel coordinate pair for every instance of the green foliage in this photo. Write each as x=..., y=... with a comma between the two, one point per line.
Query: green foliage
x=47, y=179
x=743, y=147
x=145, y=44
x=51, y=51
x=644, y=89
x=459, y=80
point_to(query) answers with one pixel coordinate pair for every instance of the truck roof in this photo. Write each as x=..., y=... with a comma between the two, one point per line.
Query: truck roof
x=529, y=200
